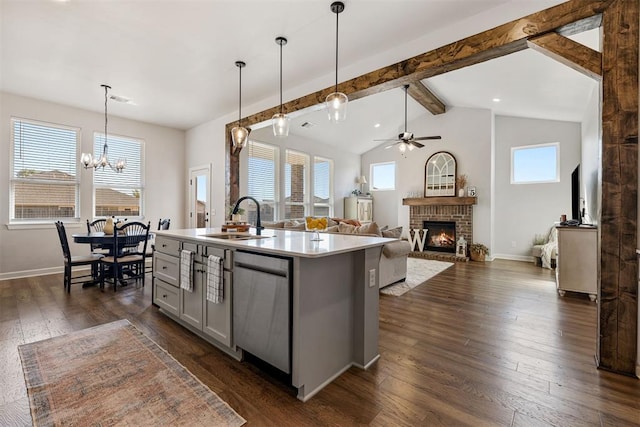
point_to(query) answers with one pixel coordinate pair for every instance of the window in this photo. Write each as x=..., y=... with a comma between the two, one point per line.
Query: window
x=383, y=176
x=119, y=194
x=262, y=179
x=295, y=184
x=322, y=187
x=533, y=164
x=44, y=180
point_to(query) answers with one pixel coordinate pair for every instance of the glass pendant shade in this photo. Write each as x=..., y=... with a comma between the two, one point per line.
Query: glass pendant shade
x=239, y=136
x=402, y=147
x=336, y=104
x=280, y=122
x=86, y=160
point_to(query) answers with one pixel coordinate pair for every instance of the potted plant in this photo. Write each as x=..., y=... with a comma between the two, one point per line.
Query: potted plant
x=478, y=251
x=461, y=180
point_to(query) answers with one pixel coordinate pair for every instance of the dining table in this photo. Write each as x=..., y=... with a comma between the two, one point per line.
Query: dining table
x=105, y=241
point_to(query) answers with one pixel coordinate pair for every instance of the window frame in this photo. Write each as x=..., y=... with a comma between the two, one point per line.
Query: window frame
x=330, y=203
x=529, y=147
x=276, y=179
x=306, y=187
x=141, y=188
x=372, y=166
x=30, y=222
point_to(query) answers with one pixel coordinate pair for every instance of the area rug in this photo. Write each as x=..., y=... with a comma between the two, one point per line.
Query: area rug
x=418, y=271
x=113, y=374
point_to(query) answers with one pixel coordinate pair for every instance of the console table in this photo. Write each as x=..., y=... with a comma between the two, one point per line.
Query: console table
x=577, y=261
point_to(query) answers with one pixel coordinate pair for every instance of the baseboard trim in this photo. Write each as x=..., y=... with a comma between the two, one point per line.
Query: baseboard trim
x=525, y=258
x=37, y=272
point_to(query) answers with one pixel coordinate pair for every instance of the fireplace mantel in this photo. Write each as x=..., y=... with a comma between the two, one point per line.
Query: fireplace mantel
x=440, y=201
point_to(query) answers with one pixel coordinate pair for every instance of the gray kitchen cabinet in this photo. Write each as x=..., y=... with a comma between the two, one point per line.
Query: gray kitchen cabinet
x=217, y=316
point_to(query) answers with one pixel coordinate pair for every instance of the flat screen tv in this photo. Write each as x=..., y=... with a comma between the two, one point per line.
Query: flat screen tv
x=575, y=195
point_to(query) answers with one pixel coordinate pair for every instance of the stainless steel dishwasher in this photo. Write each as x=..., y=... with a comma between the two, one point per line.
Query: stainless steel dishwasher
x=262, y=307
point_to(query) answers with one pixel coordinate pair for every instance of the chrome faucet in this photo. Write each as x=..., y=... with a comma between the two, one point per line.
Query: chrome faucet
x=259, y=226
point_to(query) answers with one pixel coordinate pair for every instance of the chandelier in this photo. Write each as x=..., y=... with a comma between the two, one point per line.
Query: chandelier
x=87, y=160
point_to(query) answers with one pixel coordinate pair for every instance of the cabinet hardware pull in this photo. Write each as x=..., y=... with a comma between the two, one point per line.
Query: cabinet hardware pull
x=164, y=295
x=164, y=267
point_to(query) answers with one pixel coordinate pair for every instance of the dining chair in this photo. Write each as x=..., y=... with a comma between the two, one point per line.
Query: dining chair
x=127, y=236
x=74, y=261
x=97, y=225
x=163, y=224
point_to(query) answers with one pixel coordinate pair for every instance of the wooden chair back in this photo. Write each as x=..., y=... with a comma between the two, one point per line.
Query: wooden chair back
x=163, y=224
x=64, y=242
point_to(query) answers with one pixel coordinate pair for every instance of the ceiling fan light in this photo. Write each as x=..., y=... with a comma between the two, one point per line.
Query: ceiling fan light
x=336, y=104
x=411, y=147
x=402, y=147
x=280, y=122
x=239, y=136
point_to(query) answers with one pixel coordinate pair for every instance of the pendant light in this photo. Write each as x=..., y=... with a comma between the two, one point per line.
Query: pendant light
x=239, y=134
x=87, y=160
x=336, y=102
x=280, y=120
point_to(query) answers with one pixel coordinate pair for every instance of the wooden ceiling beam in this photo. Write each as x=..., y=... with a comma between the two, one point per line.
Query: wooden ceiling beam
x=494, y=43
x=570, y=53
x=418, y=91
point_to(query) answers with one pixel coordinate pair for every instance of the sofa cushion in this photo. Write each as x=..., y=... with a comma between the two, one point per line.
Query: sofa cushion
x=370, y=229
x=294, y=225
x=273, y=224
x=393, y=233
x=396, y=249
x=353, y=222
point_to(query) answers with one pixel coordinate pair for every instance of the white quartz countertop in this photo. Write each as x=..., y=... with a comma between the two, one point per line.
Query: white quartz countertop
x=283, y=242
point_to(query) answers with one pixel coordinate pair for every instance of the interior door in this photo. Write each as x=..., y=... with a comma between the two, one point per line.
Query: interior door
x=199, y=199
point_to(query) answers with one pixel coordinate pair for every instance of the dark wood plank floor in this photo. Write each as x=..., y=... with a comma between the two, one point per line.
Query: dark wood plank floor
x=479, y=344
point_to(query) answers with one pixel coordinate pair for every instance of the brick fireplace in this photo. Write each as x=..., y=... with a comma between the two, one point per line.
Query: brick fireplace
x=449, y=209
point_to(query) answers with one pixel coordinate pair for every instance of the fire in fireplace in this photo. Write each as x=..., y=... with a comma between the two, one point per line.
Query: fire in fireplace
x=441, y=236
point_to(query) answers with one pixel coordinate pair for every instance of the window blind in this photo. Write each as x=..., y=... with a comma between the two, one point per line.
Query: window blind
x=44, y=182
x=322, y=184
x=261, y=176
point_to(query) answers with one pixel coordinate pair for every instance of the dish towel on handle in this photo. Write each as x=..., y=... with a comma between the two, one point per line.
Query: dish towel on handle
x=186, y=270
x=215, y=284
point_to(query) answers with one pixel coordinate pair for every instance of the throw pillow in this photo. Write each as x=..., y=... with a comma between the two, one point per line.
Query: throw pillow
x=393, y=233
x=294, y=225
x=370, y=229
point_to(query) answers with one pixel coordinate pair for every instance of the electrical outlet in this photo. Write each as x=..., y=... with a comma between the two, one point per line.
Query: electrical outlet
x=513, y=243
x=213, y=212
x=372, y=277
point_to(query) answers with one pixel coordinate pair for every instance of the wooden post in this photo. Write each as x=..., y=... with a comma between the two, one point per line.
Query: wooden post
x=617, y=325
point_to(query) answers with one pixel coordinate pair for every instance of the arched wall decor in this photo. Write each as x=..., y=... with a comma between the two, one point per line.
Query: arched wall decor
x=547, y=31
x=440, y=175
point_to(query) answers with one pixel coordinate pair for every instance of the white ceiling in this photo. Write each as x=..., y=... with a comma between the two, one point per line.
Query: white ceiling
x=175, y=59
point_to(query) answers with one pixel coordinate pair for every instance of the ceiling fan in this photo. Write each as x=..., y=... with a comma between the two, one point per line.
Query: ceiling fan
x=406, y=139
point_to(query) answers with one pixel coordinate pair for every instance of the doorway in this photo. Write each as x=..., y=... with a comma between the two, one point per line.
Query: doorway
x=199, y=196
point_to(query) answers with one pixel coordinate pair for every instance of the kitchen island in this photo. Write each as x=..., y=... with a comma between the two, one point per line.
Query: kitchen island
x=309, y=308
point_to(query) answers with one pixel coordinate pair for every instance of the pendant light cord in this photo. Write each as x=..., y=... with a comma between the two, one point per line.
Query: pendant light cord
x=337, y=15
x=106, y=97
x=280, y=76
x=240, y=98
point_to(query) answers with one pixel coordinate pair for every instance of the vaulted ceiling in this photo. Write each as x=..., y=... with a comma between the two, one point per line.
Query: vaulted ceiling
x=175, y=59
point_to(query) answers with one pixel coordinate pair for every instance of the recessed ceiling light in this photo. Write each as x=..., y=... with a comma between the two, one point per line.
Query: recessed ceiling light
x=496, y=99
x=377, y=125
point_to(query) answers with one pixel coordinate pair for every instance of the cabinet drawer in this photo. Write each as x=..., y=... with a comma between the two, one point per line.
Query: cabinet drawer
x=167, y=268
x=167, y=246
x=225, y=254
x=188, y=246
x=166, y=296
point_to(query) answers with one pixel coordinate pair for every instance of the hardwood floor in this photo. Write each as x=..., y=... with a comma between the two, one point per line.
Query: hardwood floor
x=479, y=344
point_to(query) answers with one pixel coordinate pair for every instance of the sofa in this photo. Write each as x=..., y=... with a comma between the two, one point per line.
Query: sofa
x=393, y=259
x=545, y=253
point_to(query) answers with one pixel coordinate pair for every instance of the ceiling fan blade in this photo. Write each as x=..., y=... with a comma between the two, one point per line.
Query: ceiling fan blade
x=392, y=145
x=424, y=138
x=386, y=140
x=416, y=144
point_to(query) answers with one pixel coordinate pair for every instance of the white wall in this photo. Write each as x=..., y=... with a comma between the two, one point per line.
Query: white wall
x=346, y=165
x=591, y=155
x=37, y=250
x=466, y=133
x=522, y=211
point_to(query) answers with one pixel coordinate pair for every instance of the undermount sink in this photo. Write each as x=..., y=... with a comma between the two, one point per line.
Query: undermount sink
x=234, y=236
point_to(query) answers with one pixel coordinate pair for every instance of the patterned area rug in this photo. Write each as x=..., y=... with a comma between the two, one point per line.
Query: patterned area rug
x=418, y=272
x=113, y=374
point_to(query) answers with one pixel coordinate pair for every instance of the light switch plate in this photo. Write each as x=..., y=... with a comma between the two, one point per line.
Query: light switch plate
x=372, y=277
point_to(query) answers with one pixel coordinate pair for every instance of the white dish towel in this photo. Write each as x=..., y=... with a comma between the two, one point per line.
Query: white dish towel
x=215, y=283
x=186, y=270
